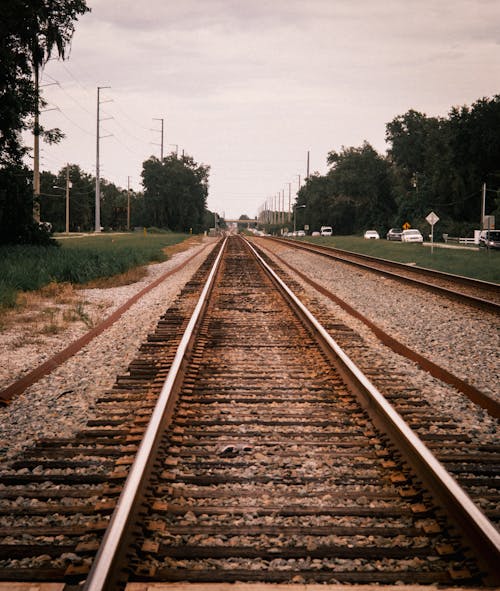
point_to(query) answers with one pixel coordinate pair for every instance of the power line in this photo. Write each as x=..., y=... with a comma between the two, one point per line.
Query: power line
x=75, y=124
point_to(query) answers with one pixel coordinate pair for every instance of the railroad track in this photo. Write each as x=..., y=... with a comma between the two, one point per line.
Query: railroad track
x=474, y=292
x=276, y=464
x=483, y=399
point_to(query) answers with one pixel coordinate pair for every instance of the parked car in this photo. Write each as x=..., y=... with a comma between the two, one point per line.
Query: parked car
x=301, y=233
x=412, y=235
x=490, y=239
x=326, y=231
x=315, y=234
x=394, y=234
x=371, y=235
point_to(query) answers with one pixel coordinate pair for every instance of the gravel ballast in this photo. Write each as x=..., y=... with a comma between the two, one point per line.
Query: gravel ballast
x=450, y=334
x=61, y=402
x=463, y=340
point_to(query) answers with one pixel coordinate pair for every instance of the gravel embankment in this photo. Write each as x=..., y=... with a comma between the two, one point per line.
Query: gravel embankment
x=61, y=403
x=461, y=339
x=420, y=320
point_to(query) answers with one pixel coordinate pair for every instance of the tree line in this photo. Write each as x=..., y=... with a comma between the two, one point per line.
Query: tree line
x=174, y=198
x=435, y=164
x=175, y=189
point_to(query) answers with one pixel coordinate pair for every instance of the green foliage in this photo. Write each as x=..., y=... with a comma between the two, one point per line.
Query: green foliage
x=82, y=199
x=82, y=202
x=29, y=267
x=356, y=193
x=433, y=164
x=16, y=206
x=440, y=164
x=175, y=193
x=29, y=31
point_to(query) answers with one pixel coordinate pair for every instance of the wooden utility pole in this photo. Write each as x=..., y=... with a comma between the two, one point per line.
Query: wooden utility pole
x=128, y=203
x=67, y=198
x=36, y=150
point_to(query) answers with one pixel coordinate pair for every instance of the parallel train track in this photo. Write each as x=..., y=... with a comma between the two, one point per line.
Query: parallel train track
x=477, y=293
x=275, y=466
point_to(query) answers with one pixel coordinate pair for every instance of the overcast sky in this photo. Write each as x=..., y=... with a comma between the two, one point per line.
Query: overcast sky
x=250, y=86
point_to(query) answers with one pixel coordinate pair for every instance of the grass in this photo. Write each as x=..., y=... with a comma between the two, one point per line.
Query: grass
x=79, y=260
x=478, y=264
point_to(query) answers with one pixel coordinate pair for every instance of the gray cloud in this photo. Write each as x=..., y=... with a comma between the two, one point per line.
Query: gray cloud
x=258, y=83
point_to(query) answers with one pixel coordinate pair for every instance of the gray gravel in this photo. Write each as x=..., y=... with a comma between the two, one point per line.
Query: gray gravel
x=62, y=402
x=461, y=339
x=464, y=340
x=420, y=320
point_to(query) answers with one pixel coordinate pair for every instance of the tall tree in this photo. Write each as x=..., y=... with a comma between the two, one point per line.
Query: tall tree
x=175, y=192
x=361, y=178
x=440, y=164
x=29, y=32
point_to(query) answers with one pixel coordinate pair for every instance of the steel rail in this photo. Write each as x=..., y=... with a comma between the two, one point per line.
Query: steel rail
x=491, y=405
x=343, y=256
x=481, y=533
x=104, y=573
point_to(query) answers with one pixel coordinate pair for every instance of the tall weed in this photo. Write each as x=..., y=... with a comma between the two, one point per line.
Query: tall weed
x=79, y=260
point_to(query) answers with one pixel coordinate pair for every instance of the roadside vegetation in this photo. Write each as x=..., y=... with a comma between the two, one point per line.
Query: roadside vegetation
x=479, y=263
x=446, y=165
x=77, y=260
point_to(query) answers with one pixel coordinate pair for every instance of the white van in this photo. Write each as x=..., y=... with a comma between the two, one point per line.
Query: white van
x=326, y=231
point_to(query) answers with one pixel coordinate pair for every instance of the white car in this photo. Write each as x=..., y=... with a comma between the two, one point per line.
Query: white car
x=371, y=235
x=412, y=235
x=301, y=233
x=326, y=231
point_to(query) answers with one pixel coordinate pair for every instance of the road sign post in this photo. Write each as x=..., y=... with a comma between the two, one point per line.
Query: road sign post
x=432, y=219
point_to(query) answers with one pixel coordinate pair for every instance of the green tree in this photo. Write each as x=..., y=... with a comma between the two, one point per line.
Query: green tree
x=317, y=197
x=81, y=199
x=29, y=31
x=440, y=164
x=362, y=187
x=414, y=141
x=175, y=193
x=475, y=146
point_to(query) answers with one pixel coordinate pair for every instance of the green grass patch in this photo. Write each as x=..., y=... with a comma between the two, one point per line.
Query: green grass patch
x=78, y=260
x=478, y=264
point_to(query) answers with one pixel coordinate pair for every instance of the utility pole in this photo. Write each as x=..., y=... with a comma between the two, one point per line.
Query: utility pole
x=161, y=143
x=36, y=144
x=289, y=200
x=483, y=206
x=307, y=176
x=36, y=150
x=67, y=198
x=97, y=170
x=128, y=203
